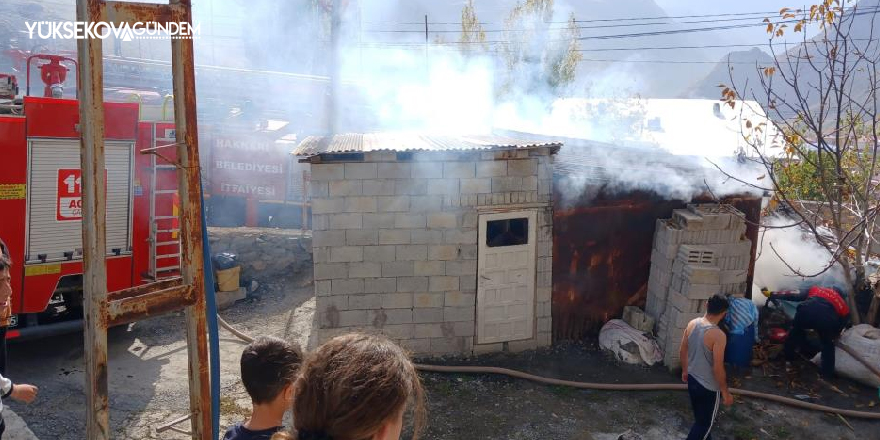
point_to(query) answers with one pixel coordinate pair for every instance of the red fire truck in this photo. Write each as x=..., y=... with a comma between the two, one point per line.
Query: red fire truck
x=40, y=200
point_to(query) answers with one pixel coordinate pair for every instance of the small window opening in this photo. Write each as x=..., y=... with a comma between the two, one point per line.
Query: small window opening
x=508, y=232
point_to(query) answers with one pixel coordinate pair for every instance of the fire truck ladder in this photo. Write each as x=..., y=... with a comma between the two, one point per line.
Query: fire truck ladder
x=187, y=291
x=164, y=233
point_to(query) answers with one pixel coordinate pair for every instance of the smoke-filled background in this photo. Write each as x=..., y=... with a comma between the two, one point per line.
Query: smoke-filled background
x=571, y=69
x=787, y=253
x=513, y=66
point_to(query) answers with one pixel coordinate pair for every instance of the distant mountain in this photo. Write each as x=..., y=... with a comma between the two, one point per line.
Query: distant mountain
x=741, y=66
x=863, y=26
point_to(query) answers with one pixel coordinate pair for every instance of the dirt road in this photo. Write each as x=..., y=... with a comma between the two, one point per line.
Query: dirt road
x=148, y=368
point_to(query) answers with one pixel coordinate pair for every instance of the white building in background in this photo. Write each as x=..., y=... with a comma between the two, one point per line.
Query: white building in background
x=685, y=127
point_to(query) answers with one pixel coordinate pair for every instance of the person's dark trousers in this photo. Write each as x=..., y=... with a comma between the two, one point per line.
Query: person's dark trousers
x=705, y=405
x=2, y=426
x=819, y=316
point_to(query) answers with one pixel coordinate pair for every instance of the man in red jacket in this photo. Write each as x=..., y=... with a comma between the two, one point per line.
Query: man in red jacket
x=821, y=309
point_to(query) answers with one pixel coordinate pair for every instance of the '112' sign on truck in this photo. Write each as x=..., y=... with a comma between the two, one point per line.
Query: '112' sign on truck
x=69, y=199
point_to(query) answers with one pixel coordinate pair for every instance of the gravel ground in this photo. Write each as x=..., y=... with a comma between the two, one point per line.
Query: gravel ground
x=148, y=367
x=495, y=407
x=148, y=386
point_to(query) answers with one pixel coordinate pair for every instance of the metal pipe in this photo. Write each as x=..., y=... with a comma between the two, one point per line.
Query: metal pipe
x=144, y=288
x=126, y=310
x=139, y=100
x=164, y=106
x=213, y=331
x=94, y=196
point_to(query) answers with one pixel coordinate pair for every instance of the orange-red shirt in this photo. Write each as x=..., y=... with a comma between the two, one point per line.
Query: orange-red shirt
x=832, y=297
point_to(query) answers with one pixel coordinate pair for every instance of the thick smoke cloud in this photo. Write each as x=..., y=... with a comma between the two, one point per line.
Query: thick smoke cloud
x=798, y=249
x=392, y=81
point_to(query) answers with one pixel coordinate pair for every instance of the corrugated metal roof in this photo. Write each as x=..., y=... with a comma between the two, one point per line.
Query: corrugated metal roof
x=362, y=143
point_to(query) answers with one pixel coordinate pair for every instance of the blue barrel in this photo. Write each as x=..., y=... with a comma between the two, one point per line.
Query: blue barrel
x=739, y=348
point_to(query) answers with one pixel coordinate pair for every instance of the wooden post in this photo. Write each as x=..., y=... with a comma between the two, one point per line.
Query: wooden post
x=152, y=299
x=192, y=261
x=90, y=85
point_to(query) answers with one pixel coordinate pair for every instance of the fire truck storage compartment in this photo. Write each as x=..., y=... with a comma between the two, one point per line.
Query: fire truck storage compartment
x=51, y=236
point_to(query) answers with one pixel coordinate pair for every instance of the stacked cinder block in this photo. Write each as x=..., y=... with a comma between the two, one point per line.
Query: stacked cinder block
x=396, y=243
x=701, y=251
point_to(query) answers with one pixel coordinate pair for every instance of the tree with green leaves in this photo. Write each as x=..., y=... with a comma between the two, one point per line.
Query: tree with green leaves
x=473, y=37
x=824, y=94
x=539, y=58
x=564, y=60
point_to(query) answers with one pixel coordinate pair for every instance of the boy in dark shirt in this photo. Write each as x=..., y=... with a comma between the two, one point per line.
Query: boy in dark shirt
x=268, y=370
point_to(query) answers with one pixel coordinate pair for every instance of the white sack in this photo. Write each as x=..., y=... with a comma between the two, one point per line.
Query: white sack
x=865, y=340
x=628, y=344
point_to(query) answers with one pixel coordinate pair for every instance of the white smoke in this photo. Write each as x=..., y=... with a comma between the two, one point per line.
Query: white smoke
x=440, y=92
x=781, y=250
x=391, y=82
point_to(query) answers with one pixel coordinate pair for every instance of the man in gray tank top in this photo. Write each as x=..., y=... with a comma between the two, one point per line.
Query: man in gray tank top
x=702, y=367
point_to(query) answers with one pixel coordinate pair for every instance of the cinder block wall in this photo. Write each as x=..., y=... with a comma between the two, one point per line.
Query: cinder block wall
x=395, y=243
x=701, y=251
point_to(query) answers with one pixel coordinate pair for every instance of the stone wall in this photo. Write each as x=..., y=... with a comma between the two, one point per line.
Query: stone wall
x=395, y=243
x=264, y=254
x=701, y=251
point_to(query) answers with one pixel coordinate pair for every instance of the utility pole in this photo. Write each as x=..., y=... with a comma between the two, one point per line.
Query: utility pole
x=427, y=64
x=333, y=95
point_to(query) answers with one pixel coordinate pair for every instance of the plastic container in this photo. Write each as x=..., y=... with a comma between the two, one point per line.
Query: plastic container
x=225, y=260
x=228, y=279
x=739, y=348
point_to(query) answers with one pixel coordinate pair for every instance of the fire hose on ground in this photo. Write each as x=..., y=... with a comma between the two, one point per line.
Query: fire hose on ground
x=626, y=387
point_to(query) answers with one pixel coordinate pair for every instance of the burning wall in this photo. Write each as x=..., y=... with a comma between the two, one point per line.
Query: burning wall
x=602, y=254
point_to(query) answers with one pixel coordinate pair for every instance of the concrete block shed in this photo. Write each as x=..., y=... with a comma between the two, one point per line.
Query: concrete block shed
x=442, y=243
x=604, y=230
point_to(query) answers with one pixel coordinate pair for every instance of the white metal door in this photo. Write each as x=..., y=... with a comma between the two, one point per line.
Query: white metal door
x=53, y=229
x=506, y=277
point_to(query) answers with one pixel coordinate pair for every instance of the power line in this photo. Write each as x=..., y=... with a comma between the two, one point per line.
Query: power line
x=651, y=33
x=599, y=20
x=693, y=30
x=756, y=15
x=664, y=61
x=436, y=44
x=708, y=46
x=603, y=26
